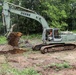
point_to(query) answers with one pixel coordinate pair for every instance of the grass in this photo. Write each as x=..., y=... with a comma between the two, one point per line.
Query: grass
x=59, y=66
x=32, y=36
x=7, y=70
x=28, y=71
x=3, y=40
x=62, y=65
x=74, y=31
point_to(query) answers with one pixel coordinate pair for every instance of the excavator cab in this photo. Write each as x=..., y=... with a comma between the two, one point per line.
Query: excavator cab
x=53, y=35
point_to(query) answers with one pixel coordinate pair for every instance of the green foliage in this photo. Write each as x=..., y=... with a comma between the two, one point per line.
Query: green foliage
x=58, y=13
x=3, y=40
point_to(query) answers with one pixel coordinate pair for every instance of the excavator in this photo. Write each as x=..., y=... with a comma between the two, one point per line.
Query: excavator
x=52, y=39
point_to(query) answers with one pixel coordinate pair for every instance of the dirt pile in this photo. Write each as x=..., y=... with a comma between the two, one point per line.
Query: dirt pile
x=14, y=38
x=13, y=42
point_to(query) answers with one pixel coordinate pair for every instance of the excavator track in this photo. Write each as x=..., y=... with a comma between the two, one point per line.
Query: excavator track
x=54, y=47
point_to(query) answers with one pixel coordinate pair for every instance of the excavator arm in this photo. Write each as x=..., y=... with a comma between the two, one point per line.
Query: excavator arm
x=27, y=13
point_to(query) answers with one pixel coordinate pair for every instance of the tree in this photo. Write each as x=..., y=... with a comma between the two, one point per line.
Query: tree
x=58, y=13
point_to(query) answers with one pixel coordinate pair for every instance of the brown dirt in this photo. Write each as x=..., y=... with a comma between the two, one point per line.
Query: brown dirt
x=41, y=62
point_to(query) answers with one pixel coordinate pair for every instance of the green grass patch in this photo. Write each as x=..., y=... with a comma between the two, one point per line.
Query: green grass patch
x=32, y=36
x=28, y=71
x=74, y=31
x=5, y=69
x=3, y=40
x=59, y=66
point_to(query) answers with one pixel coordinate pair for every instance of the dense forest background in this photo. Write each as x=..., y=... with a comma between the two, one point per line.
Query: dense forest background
x=58, y=13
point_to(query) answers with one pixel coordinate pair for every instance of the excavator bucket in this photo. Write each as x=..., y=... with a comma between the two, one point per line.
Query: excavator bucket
x=13, y=42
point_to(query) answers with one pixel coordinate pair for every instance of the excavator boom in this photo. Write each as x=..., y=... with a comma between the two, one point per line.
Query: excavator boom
x=27, y=13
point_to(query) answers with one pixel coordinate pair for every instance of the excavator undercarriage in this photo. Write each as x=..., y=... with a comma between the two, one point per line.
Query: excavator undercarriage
x=47, y=48
x=57, y=42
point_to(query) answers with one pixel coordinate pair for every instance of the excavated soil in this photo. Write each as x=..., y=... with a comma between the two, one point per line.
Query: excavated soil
x=42, y=63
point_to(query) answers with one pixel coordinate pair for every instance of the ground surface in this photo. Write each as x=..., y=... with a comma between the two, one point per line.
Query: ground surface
x=55, y=63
